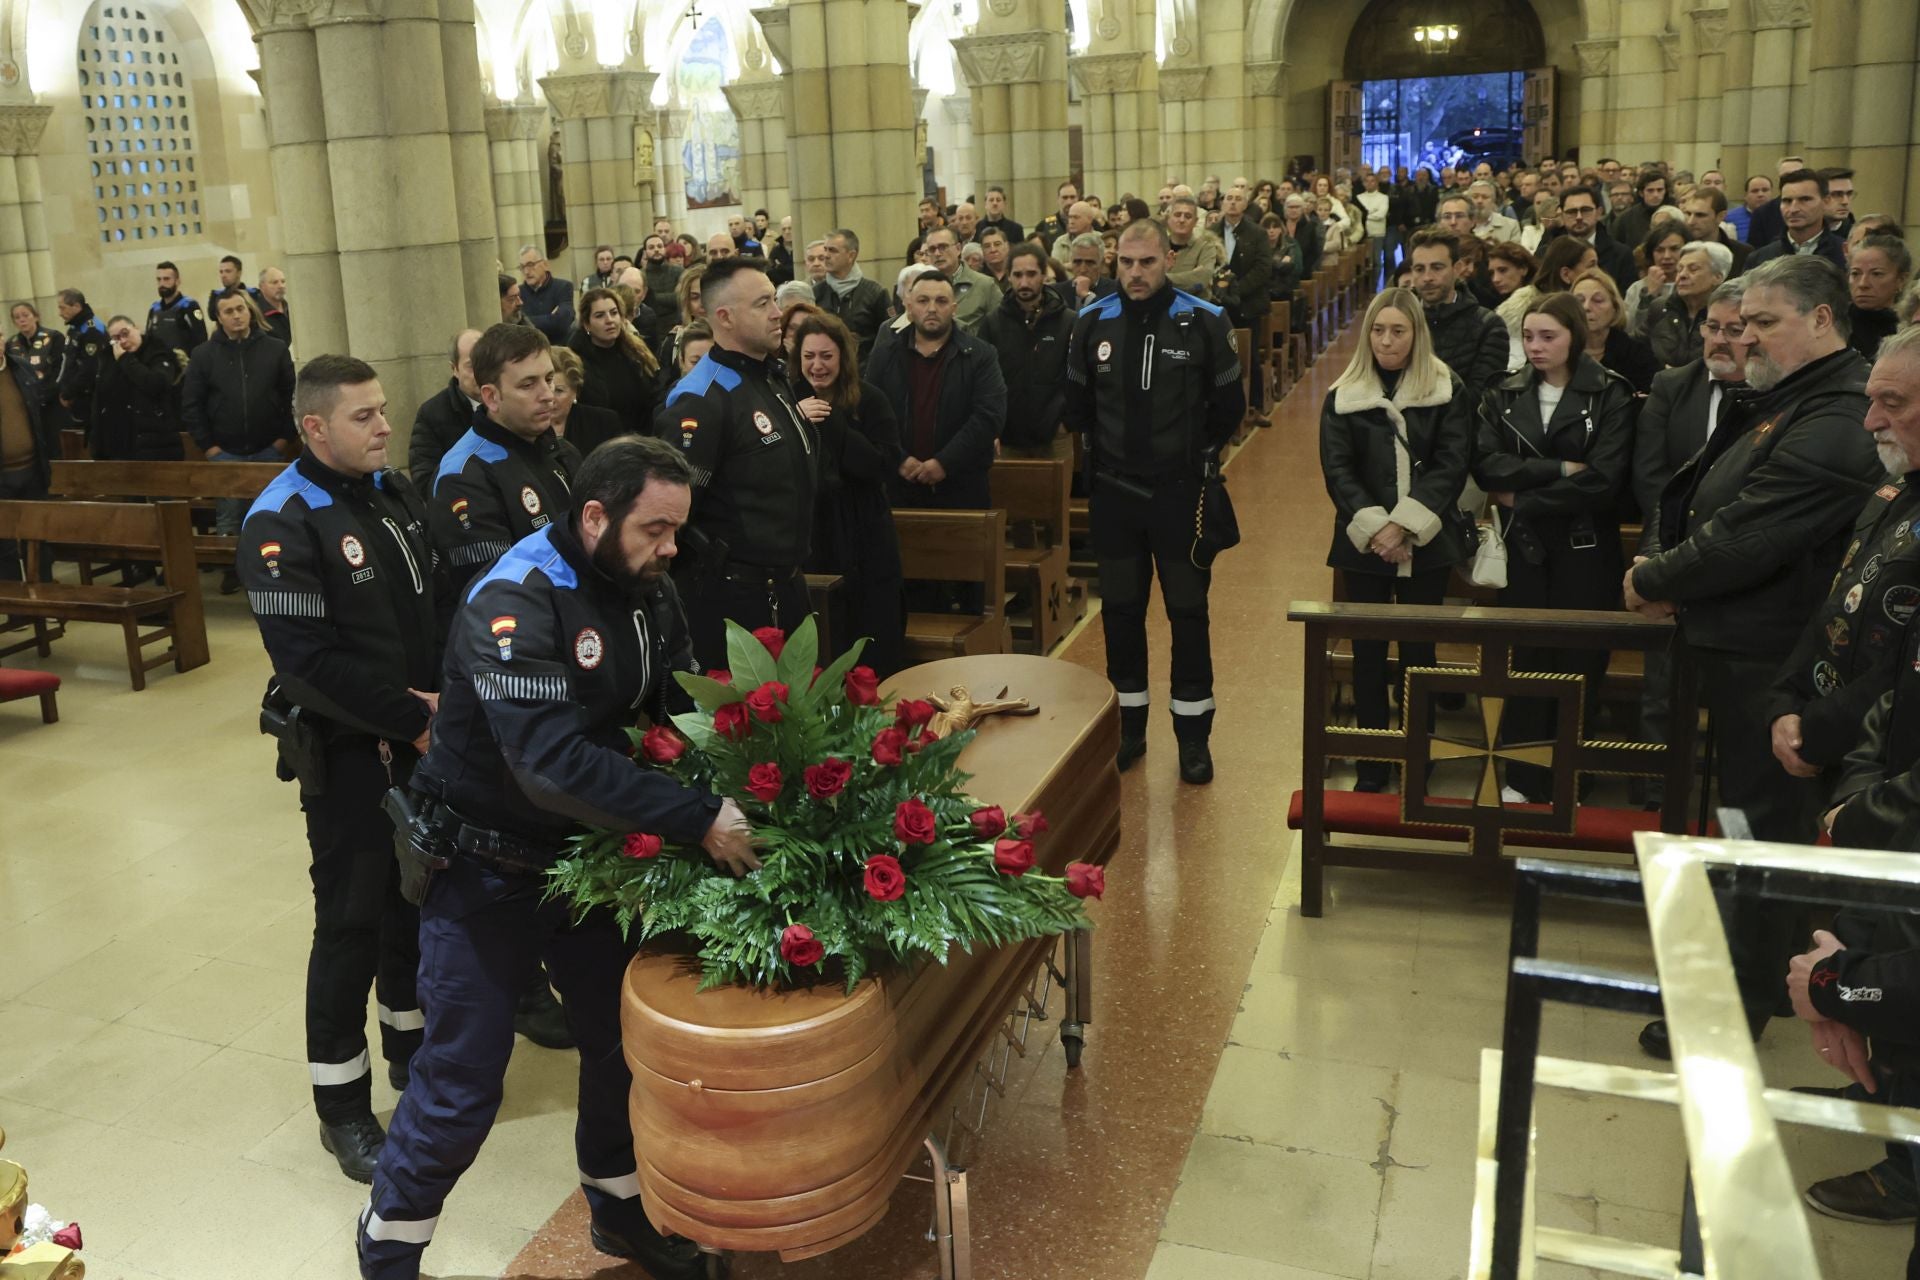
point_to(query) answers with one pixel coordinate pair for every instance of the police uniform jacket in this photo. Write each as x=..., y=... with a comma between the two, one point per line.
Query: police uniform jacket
x=1033, y=362
x=43, y=353
x=348, y=595
x=238, y=396
x=1155, y=384
x=1400, y=458
x=179, y=324
x=548, y=663
x=755, y=462
x=1754, y=524
x=133, y=405
x=493, y=489
x=86, y=347
x=1845, y=659
x=1518, y=453
x=437, y=427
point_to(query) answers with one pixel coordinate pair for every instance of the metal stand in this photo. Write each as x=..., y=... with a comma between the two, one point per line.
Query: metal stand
x=952, y=1228
x=1077, y=981
x=719, y=1266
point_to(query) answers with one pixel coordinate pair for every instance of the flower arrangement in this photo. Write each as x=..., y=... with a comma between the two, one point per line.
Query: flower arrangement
x=871, y=852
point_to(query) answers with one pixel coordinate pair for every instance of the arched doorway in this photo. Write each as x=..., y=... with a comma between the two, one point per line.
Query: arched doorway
x=1434, y=82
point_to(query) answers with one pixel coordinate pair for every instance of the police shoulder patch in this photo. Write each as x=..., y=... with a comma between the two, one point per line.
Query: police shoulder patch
x=589, y=649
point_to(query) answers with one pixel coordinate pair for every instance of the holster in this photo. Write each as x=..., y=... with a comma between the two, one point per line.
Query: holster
x=422, y=841
x=303, y=746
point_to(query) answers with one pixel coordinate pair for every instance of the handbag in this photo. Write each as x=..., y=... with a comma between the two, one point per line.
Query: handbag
x=1215, y=528
x=1489, y=567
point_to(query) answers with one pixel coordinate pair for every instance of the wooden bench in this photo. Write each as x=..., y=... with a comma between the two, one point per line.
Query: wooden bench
x=1279, y=347
x=968, y=547
x=1036, y=495
x=144, y=531
x=163, y=480
x=16, y=683
x=827, y=599
x=74, y=447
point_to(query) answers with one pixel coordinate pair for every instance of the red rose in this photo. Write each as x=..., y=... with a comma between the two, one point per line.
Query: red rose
x=1015, y=857
x=773, y=637
x=828, y=778
x=731, y=721
x=911, y=713
x=662, y=745
x=884, y=879
x=1029, y=825
x=863, y=687
x=888, y=746
x=641, y=845
x=1084, y=880
x=765, y=701
x=988, y=822
x=917, y=741
x=724, y=677
x=799, y=947
x=764, y=782
x=913, y=822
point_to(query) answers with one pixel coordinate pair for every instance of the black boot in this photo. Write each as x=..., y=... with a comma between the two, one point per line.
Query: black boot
x=1196, y=762
x=399, y=1075
x=540, y=1018
x=1133, y=737
x=621, y=1231
x=355, y=1144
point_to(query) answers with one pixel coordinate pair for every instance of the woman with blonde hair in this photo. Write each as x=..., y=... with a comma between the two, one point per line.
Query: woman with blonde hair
x=583, y=427
x=1608, y=341
x=1396, y=435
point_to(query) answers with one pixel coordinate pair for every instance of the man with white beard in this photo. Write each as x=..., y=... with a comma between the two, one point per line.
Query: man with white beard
x=1751, y=530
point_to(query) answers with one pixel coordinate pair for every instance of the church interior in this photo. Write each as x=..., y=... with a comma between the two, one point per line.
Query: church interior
x=1288, y=1062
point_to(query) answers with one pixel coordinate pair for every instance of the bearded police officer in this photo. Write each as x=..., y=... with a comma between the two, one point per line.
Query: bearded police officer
x=1153, y=382
x=351, y=605
x=755, y=467
x=509, y=474
x=552, y=656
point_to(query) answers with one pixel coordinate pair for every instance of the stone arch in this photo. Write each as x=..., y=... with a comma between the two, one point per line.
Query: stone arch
x=1495, y=35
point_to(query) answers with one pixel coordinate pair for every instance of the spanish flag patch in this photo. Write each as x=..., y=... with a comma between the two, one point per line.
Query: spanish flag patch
x=502, y=628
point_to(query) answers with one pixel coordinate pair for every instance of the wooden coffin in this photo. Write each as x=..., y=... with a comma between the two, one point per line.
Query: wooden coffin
x=781, y=1121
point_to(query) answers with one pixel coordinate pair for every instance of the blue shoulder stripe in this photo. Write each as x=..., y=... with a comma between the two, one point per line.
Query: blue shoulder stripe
x=470, y=445
x=1106, y=306
x=1184, y=301
x=285, y=487
x=702, y=377
x=535, y=551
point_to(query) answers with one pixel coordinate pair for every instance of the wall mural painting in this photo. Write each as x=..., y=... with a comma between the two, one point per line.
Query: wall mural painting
x=711, y=152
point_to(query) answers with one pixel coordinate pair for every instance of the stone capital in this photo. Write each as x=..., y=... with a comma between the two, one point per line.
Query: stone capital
x=599, y=93
x=21, y=125
x=1596, y=55
x=1017, y=57
x=1709, y=29
x=756, y=99
x=920, y=97
x=673, y=122
x=1267, y=79
x=1772, y=15
x=1107, y=72
x=515, y=121
x=959, y=108
x=1669, y=49
x=777, y=23
x=1183, y=84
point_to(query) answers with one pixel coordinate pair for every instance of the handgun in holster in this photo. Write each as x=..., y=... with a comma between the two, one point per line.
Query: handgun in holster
x=422, y=845
x=303, y=746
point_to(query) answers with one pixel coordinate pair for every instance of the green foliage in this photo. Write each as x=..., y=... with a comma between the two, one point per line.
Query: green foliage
x=814, y=851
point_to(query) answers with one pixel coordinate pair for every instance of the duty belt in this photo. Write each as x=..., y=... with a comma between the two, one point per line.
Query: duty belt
x=498, y=851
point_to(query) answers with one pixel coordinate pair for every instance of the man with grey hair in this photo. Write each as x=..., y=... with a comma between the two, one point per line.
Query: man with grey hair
x=815, y=261
x=1489, y=223
x=1197, y=255
x=1080, y=217
x=1752, y=529
x=1674, y=331
x=860, y=303
x=545, y=299
x=974, y=295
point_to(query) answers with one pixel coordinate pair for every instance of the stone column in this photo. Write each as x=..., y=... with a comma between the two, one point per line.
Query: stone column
x=606, y=139
x=1016, y=68
x=961, y=174
x=850, y=113
x=1736, y=98
x=26, y=257
x=1770, y=108
x=1226, y=110
x=1862, y=86
x=517, y=144
x=1709, y=57
x=1267, y=82
x=670, y=165
x=1682, y=97
x=1596, y=95
x=1183, y=92
x=759, y=103
x=377, y=191
x=1120, y=140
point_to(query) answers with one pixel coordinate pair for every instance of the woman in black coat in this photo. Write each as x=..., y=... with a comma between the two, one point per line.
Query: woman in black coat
x=621, y=372
x=133, y=399
x=1555, y=454
x=853, y=532
x=1396, y=433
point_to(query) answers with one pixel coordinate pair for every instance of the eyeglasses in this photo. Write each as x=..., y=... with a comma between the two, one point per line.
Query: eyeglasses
x=1730, y=332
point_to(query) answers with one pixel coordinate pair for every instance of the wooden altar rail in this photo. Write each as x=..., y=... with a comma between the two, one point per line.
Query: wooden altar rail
x=1481, y=823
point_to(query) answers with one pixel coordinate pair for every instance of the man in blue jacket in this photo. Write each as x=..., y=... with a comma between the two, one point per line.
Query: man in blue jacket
x=545, y=299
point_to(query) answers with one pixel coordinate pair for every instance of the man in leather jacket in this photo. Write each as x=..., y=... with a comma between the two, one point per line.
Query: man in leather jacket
x=445, y=416
x=1029, y=332
x=1471, y=340
x=1753, y=529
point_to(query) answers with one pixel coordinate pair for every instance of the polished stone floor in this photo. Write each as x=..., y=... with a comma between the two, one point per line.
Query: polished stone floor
x=1263, y=1097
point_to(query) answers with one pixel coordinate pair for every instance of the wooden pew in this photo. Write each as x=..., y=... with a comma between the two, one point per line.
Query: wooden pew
x=827, y=600
x=959, y=547
x=1279, y=344
x=184, y=480
x=129, y=530
x=1036, y=495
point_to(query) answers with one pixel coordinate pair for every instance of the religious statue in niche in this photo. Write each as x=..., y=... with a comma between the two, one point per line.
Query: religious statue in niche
x=642, y=156
x=711, y=149
x=556, y=181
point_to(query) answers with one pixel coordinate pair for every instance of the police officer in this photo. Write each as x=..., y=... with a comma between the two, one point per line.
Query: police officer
x=42, y=348
x=508, y=475
x=755, y=467
x=551, y=656
x=174, y=319
x=351, y=606
x=1153, y=382
x=86, y=348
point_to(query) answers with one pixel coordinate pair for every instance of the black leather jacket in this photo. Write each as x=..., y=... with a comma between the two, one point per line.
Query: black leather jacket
x=1033, y=362
x=1519, y=454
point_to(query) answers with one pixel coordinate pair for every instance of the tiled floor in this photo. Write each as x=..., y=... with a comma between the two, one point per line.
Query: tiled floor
x=1263, y=1098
